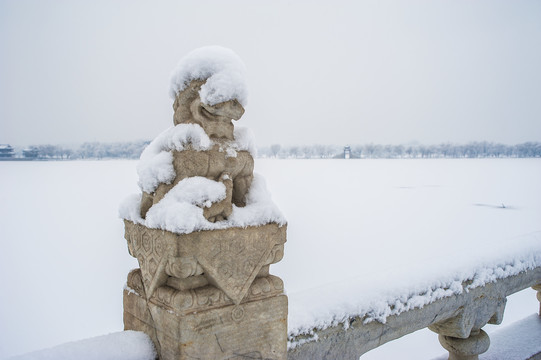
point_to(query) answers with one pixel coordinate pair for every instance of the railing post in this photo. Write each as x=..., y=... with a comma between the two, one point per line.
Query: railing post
x=462, y=336
x=466, y=349
x=538, y=289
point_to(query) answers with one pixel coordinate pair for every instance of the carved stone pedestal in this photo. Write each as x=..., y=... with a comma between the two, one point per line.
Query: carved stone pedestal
x=208, y=294
x=255, y=329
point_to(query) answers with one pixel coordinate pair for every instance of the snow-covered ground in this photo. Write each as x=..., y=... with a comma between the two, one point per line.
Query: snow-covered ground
x=410, y=228
x=365, y=230
x=122, y=345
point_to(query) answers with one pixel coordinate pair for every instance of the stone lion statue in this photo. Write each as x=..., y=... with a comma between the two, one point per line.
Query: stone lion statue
x=235, y=170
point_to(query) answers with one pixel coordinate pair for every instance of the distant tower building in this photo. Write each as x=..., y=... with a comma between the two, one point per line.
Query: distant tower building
x=6, y=151
x=347, y=152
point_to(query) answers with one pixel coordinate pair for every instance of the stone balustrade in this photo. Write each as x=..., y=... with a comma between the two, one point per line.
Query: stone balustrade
x=205, y=233
x=458, y=321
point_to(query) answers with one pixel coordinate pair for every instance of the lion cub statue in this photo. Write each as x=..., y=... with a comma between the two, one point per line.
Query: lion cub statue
x=234, y=171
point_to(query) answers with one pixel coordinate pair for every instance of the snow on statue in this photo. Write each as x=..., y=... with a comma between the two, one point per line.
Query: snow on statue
x=198, y=175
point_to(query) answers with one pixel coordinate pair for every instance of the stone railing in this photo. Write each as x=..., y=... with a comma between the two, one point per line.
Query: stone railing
x=457, y=319
x=205, y=232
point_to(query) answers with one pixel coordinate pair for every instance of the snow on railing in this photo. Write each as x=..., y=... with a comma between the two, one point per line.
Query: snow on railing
x=457, y=319
x=124, y=345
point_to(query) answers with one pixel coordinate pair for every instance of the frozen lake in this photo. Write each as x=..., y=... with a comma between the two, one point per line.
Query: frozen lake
x=360, y=232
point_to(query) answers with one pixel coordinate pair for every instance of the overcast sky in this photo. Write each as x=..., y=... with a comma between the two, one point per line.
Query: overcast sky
x=330, y=72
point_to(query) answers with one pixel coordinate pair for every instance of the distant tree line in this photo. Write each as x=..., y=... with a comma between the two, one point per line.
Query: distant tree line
x=88, y=150
x=133, y=150
x=122, y=150
x=375, y=151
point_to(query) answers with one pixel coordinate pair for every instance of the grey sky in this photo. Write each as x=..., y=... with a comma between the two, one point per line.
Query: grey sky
x=330, y=72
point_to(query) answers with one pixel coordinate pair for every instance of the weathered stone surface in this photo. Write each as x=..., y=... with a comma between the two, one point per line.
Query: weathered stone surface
x=137, y=315
x=230, y=259
x=474, y=316
x=465, y=349
x=187, y=279
x=461, y=334
x=257, y=327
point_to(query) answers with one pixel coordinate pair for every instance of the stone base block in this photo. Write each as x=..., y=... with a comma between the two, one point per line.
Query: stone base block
x=137, y=316
x=254, y=330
